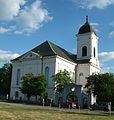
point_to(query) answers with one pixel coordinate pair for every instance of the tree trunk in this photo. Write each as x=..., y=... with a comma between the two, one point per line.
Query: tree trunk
x=36, y=98
x=28, y=98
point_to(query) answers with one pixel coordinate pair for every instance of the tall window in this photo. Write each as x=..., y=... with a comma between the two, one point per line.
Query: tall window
x=94, y=52
x=16, y=94
x=84, y=51
x=18, y=76
x=47, y=74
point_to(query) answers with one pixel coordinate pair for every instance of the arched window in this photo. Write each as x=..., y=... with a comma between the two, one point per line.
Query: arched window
x=94, y=52
x=81, y=74
x=47, y=74
x=18, y=76
x=84, y=51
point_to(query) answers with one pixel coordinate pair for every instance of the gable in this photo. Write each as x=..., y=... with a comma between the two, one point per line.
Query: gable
x=30, y=56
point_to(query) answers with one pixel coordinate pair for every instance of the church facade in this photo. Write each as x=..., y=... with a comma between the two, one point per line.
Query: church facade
x=48, y=59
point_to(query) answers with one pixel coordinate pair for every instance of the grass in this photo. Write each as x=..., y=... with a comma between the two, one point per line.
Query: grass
x=13, y=112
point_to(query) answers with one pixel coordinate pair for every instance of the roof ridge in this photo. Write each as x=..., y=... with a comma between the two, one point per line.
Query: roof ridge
x=51, y=43
x=51, y=47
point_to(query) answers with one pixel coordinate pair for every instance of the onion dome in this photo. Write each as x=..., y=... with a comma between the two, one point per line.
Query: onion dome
x=86, y=28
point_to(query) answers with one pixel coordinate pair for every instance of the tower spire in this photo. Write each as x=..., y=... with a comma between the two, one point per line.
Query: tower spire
x=86, y=19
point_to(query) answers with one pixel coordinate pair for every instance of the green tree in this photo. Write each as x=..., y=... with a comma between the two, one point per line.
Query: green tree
x=62, y=79
x=5, y=79
x=33, y=85
x=101, y=85
x=40, y=86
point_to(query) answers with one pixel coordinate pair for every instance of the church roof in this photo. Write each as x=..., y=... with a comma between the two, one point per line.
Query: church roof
x=86, y=28
x=48, y=48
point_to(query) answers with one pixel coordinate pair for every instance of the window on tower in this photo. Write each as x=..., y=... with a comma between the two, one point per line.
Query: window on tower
x=94, y=51
x=84, y=51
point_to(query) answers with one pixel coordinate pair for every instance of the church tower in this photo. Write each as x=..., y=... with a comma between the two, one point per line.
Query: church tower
x=87, y=53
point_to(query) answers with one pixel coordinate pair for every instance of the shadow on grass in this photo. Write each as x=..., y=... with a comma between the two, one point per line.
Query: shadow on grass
x=90, y=113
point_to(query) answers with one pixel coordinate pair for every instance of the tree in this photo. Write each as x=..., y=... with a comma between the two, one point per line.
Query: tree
x=33, y=85
x=61, y=79
x=5, y=79
x=40, y=86
x=101, y=85
x=27, y=84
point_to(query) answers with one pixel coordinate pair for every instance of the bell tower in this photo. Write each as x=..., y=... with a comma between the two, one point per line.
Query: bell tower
x=87, y=53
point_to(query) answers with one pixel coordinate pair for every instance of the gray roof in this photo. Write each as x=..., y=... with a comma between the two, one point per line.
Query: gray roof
x=48, y=48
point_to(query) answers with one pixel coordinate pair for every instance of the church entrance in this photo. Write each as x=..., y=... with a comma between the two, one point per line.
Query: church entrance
x=85, y=103
x=72, y=97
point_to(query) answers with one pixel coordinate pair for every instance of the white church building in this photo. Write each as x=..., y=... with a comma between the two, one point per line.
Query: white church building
x=48, y=59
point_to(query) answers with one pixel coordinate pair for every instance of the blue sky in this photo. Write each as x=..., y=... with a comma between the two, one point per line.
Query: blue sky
x=24, y=24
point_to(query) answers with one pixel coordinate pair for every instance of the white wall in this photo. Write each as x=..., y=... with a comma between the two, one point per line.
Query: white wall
x=83, y=71
x=94, y=69
x=52, y=62
x=83, y=40
x=33, y=66
x=28, y=64
x=94, y=44
x=90, y=40
x=62, y=64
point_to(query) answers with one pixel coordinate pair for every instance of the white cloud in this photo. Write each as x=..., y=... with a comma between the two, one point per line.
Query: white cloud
x=89, y=4
x=106, y=56
x=106, y=68
x=111, y=35
x=95, y=26
x=10, y=8
x=4, y=30
x=105, y=61
x=31, y=18
x=6, y=56
x=26, y=18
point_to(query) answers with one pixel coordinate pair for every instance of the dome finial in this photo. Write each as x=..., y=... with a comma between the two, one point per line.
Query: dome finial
x=86, y=19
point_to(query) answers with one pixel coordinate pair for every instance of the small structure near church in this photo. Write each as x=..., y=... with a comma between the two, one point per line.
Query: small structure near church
x=74, y=94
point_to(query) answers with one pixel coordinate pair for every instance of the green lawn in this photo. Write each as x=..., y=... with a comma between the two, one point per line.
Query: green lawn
x=12, y=112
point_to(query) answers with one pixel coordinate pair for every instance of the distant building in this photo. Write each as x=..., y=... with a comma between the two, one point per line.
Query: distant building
x=49, y=59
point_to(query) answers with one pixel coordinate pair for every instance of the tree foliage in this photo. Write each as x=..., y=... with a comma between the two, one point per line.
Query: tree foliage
x=62, y=79
x=40, y=85
x=33, y=85
x=5, y=79
x=101, y=85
